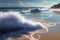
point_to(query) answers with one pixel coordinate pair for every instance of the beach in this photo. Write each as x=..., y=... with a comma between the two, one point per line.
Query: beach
x=48, y=36
x=29, y=19
x=55, y=34
x=56, y=10
x=52, y=34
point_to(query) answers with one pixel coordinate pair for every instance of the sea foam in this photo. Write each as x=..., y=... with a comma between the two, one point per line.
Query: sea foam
x=14, y=20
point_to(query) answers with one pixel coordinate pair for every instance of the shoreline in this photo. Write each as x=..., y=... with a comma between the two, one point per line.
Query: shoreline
x=48, y=36
x=56, y=9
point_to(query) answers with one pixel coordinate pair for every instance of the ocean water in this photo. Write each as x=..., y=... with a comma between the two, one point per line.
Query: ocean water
x=45, y=16
x=17, y=22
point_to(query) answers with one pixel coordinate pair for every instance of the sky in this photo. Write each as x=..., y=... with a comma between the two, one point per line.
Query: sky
x=28, y=3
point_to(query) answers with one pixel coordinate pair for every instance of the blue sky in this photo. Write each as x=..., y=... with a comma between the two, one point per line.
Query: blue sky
x=28, y=3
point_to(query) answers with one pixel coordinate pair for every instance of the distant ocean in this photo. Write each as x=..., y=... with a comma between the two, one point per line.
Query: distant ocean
x=46, y=15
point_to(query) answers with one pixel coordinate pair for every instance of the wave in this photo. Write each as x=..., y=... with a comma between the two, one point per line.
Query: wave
x=11, y=20
x=35, y=10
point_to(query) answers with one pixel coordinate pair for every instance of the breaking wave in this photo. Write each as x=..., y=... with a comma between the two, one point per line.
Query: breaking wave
x=14, y=20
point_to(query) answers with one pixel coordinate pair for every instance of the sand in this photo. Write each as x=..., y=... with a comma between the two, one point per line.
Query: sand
x=51, y=36
x=56, y=10
x=48, y=36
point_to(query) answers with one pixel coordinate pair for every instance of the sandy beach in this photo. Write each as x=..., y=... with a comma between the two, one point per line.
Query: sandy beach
x=42, y=36
x=51, y=36
x=48, y=36
x=29, y=19
x=56, y=10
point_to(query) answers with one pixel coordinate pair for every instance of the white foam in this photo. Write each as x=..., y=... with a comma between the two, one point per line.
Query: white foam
x=11, y=20
x=15, y=19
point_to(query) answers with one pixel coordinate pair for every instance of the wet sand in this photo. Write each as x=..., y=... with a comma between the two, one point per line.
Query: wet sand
x=43, y=36
x=16, y=36
x=56, y=9
x=51, y=36
x=48, y=36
